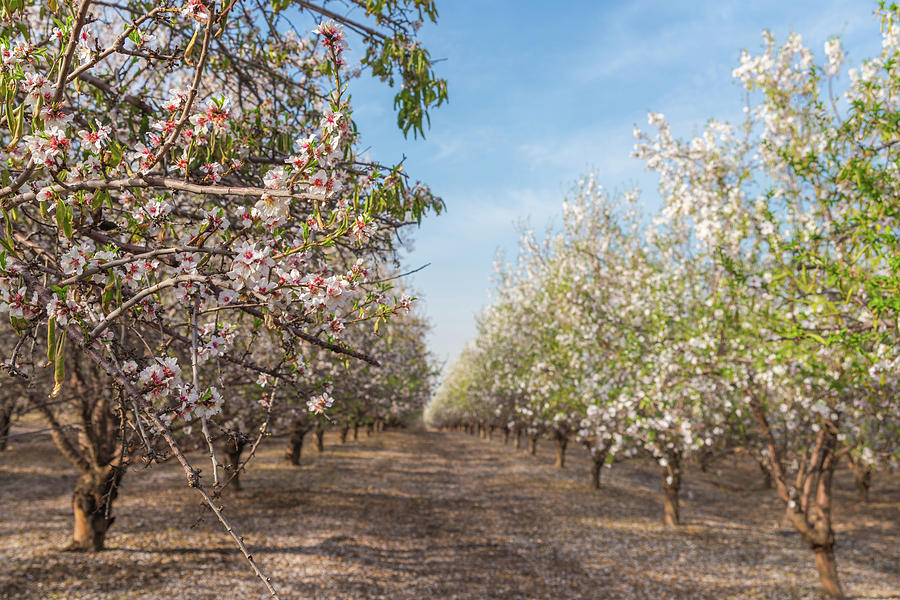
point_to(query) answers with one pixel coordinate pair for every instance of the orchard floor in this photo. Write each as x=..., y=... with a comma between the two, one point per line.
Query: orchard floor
x=416, y=514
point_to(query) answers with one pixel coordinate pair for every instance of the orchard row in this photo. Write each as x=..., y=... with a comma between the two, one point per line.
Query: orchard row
x=757, y=312
x=193, y=242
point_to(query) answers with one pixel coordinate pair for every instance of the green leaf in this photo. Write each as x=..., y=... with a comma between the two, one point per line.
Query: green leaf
x=64, y=218
x=51, y=340
x=59, y=365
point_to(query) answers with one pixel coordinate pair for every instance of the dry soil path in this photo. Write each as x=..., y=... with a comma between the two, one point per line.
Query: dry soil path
x=415, y=514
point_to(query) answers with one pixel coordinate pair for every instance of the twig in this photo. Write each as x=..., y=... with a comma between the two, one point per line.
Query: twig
x=152, y=181
x=263, y=429
x=140, y=296
x=70, y=49
x=398, y=276
x=136, y=257
x=195, y=372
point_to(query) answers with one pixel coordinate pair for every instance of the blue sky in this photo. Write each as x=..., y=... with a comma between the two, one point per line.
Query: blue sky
x=542, y=92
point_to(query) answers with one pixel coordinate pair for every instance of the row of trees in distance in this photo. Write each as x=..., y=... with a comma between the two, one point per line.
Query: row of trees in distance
x=757, y=312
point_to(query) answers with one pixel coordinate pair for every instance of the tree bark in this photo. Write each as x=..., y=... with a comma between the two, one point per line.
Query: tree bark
x=356, y=432
x=863, y=483
x=344, y=431
x=490, y=432
x=295, y=445
x=320, y=439
x=828, y=575
x=767, y=477
x=706, y=456
x=234, y=447
x=92, y=500
x=518, y=439
x=597, y=459
x=561, y=442
x=370, y=429
x=532, y=445
x=505, y=436
x=670, y=505
x=5, y=424
x=862, y=475
x=809, y=507
x=671, y=486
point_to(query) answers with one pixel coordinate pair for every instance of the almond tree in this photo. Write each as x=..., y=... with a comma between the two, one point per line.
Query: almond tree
x=773, y=203
x=173, y=172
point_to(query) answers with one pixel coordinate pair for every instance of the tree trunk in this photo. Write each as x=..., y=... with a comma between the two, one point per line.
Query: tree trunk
x=518, y=439
x=490, y=432
x=370, y=429
x=862, y=475
x=5, y=424
x=828, y=575
x=356, y=433
x=597, y=459
x=705, y=458
x=505, y=436
x=233, y=449
x=320, y=440
x=344, y=431
x=295, y=445
x=671, y=486
x=670, y=505
x=863, y=483
x=767, y=477
x=532, y=445
x=561, y=442
x=92, y=501
x=809, y=509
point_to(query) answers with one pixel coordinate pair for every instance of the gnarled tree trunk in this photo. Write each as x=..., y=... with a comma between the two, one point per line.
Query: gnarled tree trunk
x=95, y=491
x=808, y=508
x=813, y=520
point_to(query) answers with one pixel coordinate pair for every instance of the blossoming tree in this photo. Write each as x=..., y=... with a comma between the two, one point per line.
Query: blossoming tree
x=178, y=177
x=758, y=311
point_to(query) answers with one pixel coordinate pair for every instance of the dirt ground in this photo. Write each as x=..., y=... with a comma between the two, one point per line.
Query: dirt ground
x=417, y=514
